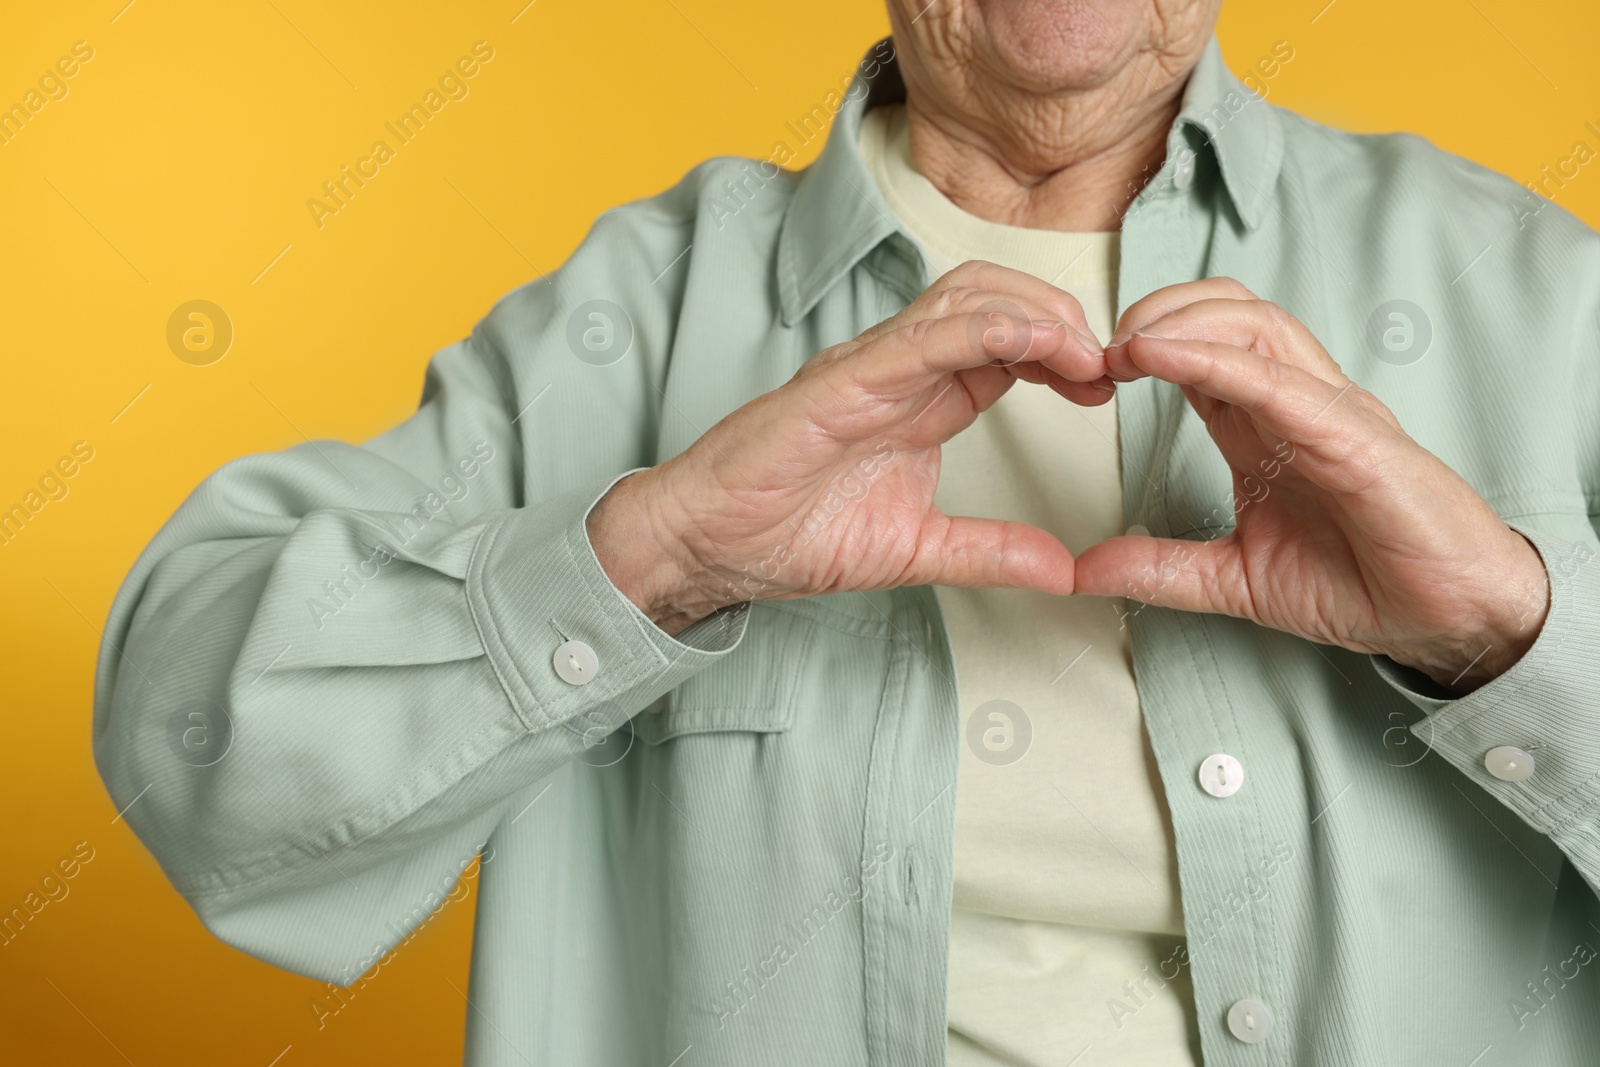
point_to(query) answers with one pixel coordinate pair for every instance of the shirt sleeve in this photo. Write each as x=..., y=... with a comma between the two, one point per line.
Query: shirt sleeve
x=1544, y=705
x=333, y=670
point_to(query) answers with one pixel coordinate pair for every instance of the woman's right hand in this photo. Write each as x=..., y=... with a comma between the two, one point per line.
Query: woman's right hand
x=826, y=484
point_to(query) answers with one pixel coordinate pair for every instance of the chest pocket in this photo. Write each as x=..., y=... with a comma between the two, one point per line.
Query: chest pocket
x=755, y=688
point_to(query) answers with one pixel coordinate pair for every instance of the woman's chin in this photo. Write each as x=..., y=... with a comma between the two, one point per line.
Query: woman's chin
x=1055, y=45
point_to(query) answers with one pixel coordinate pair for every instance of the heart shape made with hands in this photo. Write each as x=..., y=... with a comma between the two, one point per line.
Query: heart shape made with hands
x=1346, y=531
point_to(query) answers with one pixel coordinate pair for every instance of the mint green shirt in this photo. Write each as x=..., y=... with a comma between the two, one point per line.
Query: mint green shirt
x=332, y=678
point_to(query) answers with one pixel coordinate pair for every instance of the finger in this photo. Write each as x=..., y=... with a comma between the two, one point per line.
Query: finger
x=1147, y=309
x=990, y=554
x=998, y=314
x=986, y=385
x=1201, y=576
x=951, y=409
x=1028, y=289
x=1259, y=325
x=950, y=370
x=999, y=282
x=1264, y=328
x=1335, y=425
x=918, y=355
x=1084, y=394
x=946, y=403
x=1284, y=396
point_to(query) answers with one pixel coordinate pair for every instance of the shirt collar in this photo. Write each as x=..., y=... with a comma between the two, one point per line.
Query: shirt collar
x=1242, y=129
x=838, y=215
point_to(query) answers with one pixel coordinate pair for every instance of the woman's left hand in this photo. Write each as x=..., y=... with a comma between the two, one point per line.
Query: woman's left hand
x=1348, y=532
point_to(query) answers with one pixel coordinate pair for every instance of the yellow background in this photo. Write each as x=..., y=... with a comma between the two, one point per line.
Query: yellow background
x=178, y=168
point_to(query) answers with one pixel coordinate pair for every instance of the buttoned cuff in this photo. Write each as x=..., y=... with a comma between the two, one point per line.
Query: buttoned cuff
x=535, y=585
x=1545, y=705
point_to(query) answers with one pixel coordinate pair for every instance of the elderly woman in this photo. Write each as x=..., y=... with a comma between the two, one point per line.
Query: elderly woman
x=1097, y=569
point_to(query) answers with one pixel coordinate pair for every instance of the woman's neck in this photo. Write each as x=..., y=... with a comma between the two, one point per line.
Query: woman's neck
x=1069, y=161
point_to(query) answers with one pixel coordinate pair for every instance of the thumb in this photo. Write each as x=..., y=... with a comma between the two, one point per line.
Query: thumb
x=1165, y=572
x=990, y=554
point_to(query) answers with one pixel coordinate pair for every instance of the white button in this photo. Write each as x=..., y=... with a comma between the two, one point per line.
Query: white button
x=1221, y=775
x=1183, y=169
x=1508, y=764
x=1250, y=1021
x=576, y=663
x=1138, y=531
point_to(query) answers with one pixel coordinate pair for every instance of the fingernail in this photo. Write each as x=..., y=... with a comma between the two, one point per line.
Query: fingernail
x=1102, y=388
x=1090, y=341
x=1119, y=338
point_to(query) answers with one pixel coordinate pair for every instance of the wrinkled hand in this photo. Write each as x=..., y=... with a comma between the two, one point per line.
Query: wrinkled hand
x=1347, y=531
x=826, y=484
